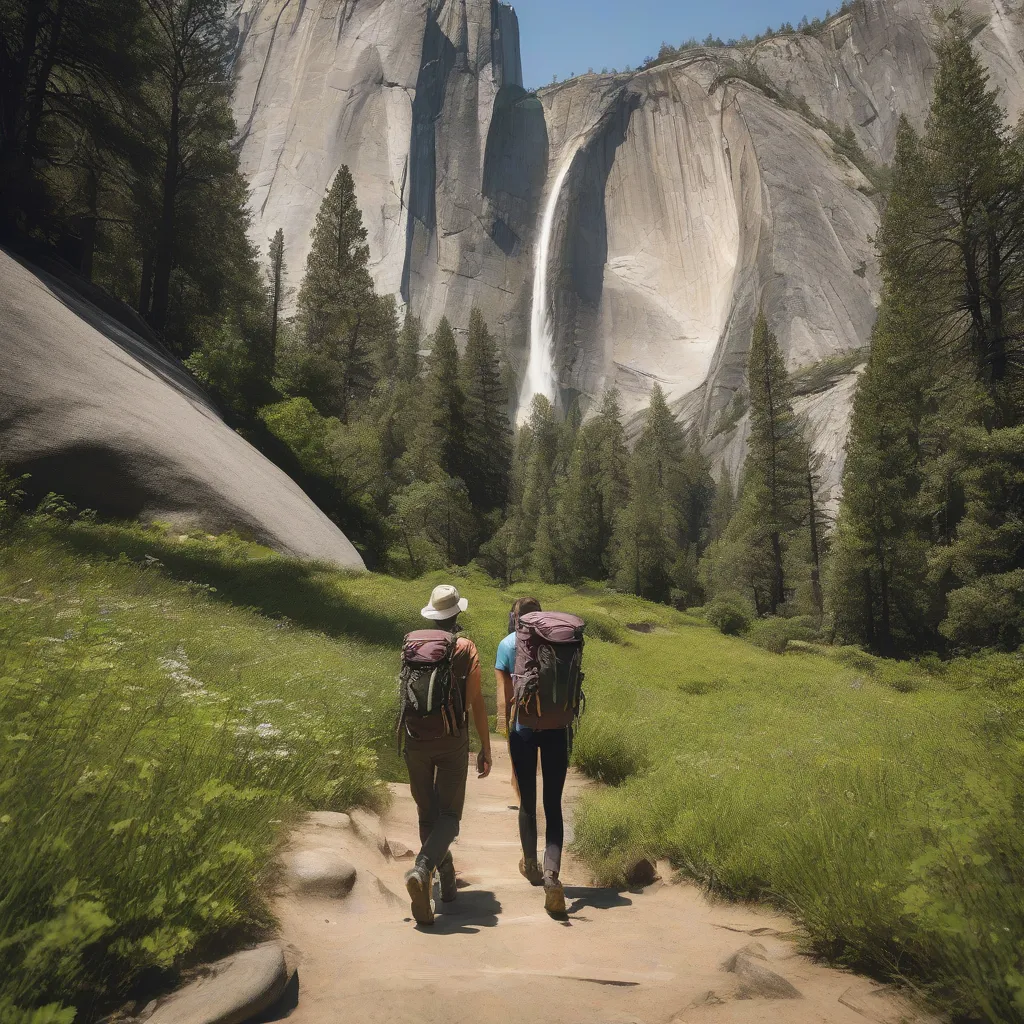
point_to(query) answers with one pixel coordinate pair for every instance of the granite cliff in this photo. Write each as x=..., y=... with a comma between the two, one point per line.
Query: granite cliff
x=688, y=192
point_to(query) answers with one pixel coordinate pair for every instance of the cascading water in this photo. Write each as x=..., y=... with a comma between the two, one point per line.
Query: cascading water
x=540, y=368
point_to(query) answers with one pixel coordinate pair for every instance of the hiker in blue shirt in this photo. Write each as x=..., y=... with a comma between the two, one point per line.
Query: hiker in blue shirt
x=524, y=744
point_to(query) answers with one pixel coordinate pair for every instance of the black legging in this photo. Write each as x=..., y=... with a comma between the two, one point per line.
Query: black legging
x=553, y=745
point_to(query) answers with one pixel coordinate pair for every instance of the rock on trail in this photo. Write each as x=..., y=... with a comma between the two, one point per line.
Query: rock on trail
x=640, y=956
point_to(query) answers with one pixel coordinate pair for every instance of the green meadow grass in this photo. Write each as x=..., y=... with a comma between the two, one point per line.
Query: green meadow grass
x=168, y=703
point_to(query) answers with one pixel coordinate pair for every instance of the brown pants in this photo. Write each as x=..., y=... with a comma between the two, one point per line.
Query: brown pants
x=438, y=770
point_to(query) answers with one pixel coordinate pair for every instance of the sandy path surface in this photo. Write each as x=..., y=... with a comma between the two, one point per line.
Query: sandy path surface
x=659, y=955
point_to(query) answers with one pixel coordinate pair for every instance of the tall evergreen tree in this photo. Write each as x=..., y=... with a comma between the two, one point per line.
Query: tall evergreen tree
x=648, y=528
x=443, y=437
x=66, y=70
x=776, y=465
x=340, y=317
x=508, y=555
x=488, y=431
x=275, y=291
x=191, y=51
x=409, y=343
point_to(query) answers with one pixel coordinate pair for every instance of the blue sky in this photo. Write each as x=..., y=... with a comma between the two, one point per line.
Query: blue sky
x=565, y=36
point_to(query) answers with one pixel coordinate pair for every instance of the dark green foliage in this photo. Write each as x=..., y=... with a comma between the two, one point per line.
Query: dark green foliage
x=115, y=154
x=729, y=615
x=658, y=532
x=443, y=440
x=435, y=524
x=342, y=323
x=929, y=543
x=775, y=634
x=593, y=491
x=275, y=295
x=508, y=554
x=488, y=431
x=776, y=466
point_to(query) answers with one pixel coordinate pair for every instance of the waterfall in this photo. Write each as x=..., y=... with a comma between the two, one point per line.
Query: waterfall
x=540, y=369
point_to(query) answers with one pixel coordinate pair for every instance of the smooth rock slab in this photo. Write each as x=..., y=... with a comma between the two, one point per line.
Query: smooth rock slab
x=232, y=990
x=756, y=980
x=321, y=872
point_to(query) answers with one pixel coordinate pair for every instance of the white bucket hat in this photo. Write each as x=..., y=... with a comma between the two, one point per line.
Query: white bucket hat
x=445, y=603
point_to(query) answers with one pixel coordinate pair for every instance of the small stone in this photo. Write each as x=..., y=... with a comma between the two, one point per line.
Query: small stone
x=398, y=850
x=231, y=991
x=642, y=874
x=322, y=873
x=756, y=980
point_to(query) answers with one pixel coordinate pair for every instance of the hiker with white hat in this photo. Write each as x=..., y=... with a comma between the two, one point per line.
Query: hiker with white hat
x=439, y=687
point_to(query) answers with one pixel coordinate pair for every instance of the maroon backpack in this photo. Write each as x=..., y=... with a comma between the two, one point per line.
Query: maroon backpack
x=430, y=697
x=548, y=680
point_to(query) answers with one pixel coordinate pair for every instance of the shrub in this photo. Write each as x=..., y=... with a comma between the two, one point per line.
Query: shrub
x=729, y=614
x=775, y=634
x=605, y=627
x=12, y=494
x=608, y=754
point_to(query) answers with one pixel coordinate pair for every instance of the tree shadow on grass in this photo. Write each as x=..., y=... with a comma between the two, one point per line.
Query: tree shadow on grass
x=301, y=592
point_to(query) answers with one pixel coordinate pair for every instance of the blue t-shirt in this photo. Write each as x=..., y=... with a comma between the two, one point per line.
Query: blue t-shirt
x=506, y=660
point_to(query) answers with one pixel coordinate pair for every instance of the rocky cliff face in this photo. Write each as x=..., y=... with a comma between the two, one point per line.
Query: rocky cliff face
x=692, y=195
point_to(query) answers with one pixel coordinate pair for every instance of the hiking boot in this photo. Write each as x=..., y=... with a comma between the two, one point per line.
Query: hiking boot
x=554, y=896
x=449, y=884
x=531, y=871
x=418, y=883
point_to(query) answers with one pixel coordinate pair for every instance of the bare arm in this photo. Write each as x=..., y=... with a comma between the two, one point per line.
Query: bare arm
x=475, y=699
x=503, y=689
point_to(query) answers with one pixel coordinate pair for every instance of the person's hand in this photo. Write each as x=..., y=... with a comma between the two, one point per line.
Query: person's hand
x=483, y=764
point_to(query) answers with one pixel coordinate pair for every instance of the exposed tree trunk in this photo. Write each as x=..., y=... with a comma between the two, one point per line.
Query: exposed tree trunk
x=89, y=225
x=12, y=96
x=37, y=94
x=164, y=260
x=819, y=602
x=275, y=312
x=778, y=579
x=869, y=610
x=146, y=285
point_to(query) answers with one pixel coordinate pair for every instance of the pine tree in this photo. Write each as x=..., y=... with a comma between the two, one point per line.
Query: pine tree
x=275, y=292
x=388, y=352
x=191, y=51
x=975, y=234
x=612, y=485
x=340, y=317
x=443, y=437
x=776, y=463
x=531, y=495
x=409, y=350
x=648, y=530
x=876, y=577
x=489, y=434
x=928, y=510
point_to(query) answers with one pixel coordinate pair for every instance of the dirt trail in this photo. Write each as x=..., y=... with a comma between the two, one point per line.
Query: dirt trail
x=661, y=955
